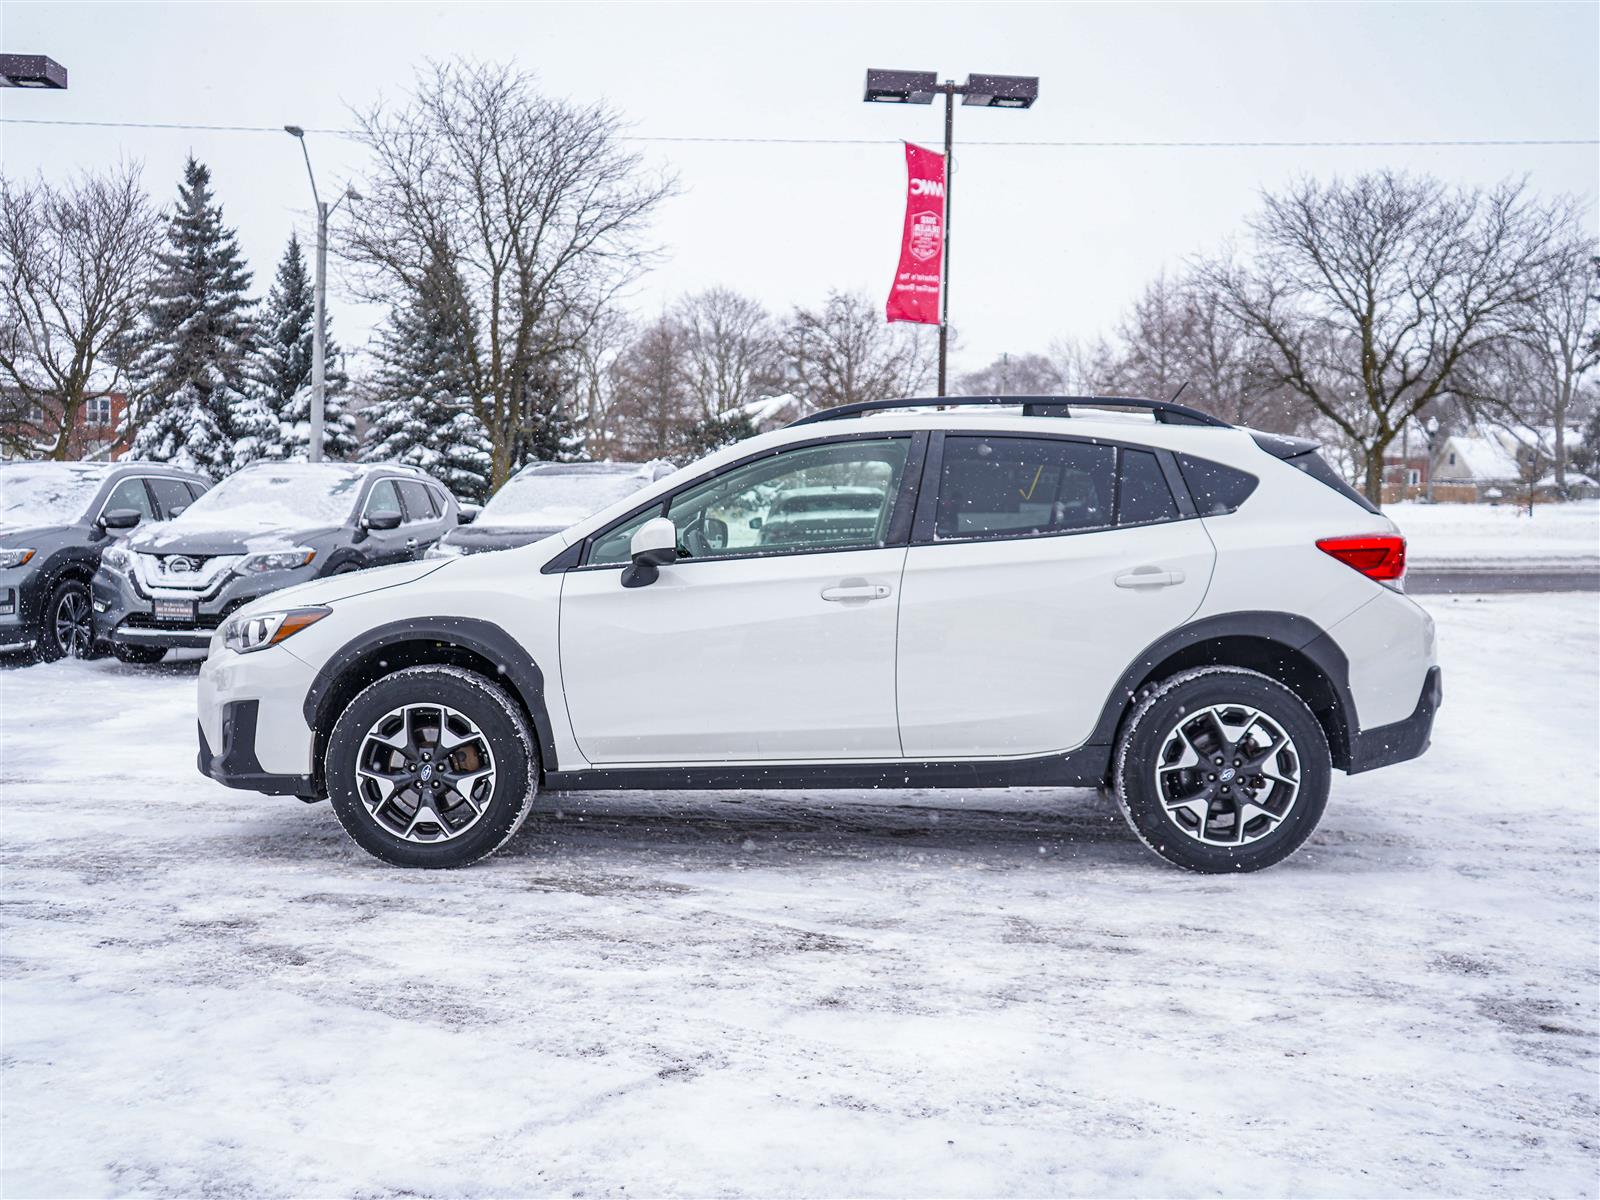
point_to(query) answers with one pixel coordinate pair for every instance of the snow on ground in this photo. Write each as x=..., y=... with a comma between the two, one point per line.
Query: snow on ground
x=980, y=993
x=1488, y=533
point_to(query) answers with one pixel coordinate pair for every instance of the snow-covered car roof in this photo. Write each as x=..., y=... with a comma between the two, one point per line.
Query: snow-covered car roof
x=48, y=493
x=555, y=495
x=59, y=493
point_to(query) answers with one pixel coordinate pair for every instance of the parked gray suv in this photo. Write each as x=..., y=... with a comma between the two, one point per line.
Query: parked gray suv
x=266, y=527
x=56, y=519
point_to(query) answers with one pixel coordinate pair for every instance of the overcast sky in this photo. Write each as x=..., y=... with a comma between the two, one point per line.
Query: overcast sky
x=1046, y=242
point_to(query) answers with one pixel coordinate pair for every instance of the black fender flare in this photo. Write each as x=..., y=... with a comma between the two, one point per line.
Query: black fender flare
x=483, y=638
x=1296, y=633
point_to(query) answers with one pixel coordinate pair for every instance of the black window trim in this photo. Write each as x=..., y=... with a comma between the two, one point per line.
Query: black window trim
x=925, y=525
x=900, y=518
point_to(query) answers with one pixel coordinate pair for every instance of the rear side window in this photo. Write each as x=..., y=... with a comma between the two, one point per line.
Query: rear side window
x=419, y=501
x=1015, y=487
x=171, y=495
x=1143, y=496
x=1216, y=489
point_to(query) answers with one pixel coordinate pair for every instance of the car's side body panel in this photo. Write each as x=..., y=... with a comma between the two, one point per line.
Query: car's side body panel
x=1009, y=647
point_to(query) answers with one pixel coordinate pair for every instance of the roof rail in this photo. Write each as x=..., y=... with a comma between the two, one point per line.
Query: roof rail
x=1164, y=411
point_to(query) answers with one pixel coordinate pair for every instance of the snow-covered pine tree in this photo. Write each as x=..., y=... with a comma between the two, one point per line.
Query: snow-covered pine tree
x=419, y=411
x=550, y=429
x=195, y=404
x=283, y=367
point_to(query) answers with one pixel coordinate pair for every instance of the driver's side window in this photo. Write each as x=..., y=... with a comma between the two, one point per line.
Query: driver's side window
x=837, y=496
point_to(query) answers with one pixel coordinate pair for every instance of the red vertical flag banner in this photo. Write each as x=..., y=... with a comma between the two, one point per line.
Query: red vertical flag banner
x=915, y=293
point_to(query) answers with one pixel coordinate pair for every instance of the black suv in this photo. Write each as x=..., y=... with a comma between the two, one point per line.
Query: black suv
x=56, y=519
x=269, y=526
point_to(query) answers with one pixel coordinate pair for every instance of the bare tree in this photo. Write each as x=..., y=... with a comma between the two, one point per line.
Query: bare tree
x=1015, y=375
x=1371, y=294
x=731, y=350
x=74, y=262
x=652, y=407
x=596, y=359
x=533, y=203
x=844, y=352
x=1557, y=331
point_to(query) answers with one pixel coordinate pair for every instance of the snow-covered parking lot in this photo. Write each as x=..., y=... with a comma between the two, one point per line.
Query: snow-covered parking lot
x=985, y=993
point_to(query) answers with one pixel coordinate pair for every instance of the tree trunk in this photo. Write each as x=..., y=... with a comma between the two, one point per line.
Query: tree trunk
x=1563, y=400
x=1374, y=465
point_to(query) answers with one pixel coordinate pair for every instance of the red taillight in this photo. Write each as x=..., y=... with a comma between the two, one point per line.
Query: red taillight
x=1382, y=558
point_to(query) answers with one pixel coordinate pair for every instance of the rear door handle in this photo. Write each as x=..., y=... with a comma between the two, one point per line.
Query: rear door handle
x=1148, y=577
x=857, y=591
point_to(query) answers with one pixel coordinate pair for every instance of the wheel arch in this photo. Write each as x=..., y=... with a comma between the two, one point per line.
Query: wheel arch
x=1291, y=649
x=478, y=646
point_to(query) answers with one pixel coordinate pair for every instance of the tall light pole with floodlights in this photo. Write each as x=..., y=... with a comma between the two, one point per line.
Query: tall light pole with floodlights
x=982, y=91
x=319, y=335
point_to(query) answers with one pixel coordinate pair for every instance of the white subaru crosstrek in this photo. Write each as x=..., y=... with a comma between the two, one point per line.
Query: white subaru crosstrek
x=1203, y=619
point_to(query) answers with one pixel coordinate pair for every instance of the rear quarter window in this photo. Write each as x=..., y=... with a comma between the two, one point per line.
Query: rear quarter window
x=1216, y=489
x=1314, y=465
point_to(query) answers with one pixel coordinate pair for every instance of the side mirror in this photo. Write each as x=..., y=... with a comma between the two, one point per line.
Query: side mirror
x=177, y=512
x=119, y=518
x=466, y=514
x=755, y=522
x=387, y=520
x=654, y=545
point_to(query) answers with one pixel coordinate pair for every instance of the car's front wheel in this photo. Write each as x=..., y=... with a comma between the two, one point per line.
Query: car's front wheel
x=66, y=626
x=431, y=767
x=1222, y=769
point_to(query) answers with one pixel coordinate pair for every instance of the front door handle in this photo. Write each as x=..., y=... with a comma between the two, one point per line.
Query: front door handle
x=411, y=544
x=853, y=590
x=1148, y=577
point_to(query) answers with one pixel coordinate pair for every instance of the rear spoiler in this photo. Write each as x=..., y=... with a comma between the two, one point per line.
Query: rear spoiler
x=1301, y=453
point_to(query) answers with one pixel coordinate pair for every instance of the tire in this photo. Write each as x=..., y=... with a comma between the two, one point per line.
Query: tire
x=1201, y=815
x=471, y=811
x=66, y=625
x=139, y=655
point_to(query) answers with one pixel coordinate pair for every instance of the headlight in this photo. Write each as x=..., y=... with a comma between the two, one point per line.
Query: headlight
x=277, y=560
x=14, y=558
x=443, y=550
x=244, y=634
x=118, y=558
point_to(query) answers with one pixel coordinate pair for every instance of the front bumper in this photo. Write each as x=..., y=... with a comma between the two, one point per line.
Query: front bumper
x=21, y=602
x=235, y=763
x=1403, y=740
x=123, y=609
x=253, y=730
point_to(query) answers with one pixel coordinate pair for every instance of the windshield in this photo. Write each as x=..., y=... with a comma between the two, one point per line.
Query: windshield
x=47, y=493
x=286, y=496
x=540, y=500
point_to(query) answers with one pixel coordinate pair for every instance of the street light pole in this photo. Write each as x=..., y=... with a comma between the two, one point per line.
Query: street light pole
x=949, y=90
x=319, y=332
x=984, y=91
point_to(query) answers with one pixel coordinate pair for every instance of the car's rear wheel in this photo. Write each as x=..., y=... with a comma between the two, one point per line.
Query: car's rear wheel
x=1222, y=769
x=66, y=625
x=431, y=767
